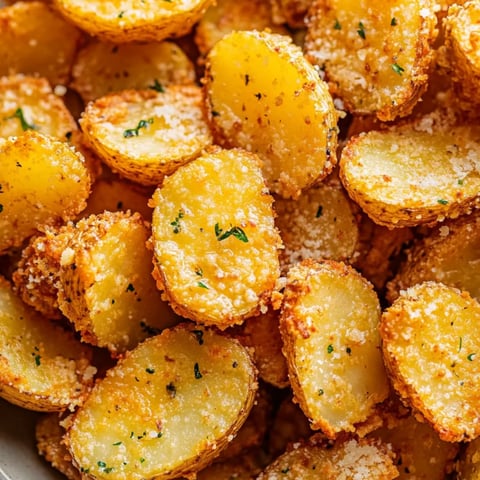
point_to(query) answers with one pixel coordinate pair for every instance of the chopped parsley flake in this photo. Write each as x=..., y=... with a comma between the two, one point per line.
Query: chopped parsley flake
x=319, y=212
x=361, y=30
x=149, y=370
x=196, y=371
x=337, y=25
x=348, y=350
x=121, y=14
x=130, y=288
x=393, y=22
x=471, y=357
x=236, y=232
x=116, y=444
x=441, y=201
x=134, y=132
x=157, y=86
x=397, y=68
x=330, y=348
x=199, y=272
x=460, y=181
x=460, y=343
x=202, y=284
x=176, y=223
x=285, y=470
x=24, y=124
x=37, y=360
x=148, y=329
x=320, y=392
x=1, y=208
x=199, y=336
x=171, y=389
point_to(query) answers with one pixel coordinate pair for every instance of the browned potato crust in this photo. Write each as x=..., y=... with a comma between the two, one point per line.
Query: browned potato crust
x=36, y=40
x=101, y=68
x=123, y=21
x=415, y=174
x=449, y=254
x=265, y=97
x=44, y=182
x=167, y=409
x=42, y=366
x=431, y=351
x=144, y=134
x=28, y=103
x=468, y=466
x=375, y=54
x=329, y=325
x=214, y=239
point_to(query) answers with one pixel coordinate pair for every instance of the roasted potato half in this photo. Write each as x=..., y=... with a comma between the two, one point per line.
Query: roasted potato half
x=107, y=290
x=103, y=67
x=414, y=174
x=167, y=409
x=265, y=97
x=28, y=103
x=129, y=21
x=36, y=40
x=144, y=134
x=376, y=55
x=329, y=325
x=214, y=238
x=431, y=351
x=43, y=182
x=347, y=459
x=42, y=366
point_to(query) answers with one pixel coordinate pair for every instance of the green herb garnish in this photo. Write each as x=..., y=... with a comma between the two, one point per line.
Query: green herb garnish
x=134, y=132
x=393, y=22
x=236, y=232
x=25, y=125
x=397, y=68
x=157, y=86
x=361, y=30
x=176, y=223
x=441, y=201
x=196, y=371
x=336, y=25
x=330, y=348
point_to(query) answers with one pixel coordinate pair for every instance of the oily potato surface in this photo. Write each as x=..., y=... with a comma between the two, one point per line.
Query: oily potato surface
x=166, y=409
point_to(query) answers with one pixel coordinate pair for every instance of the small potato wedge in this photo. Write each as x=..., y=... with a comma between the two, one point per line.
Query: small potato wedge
x=432, y=353
x=102, y=67
x=28, y=103
x=143, y=134
x=450, y=254
x=107, y=289
x=36, y=40
x=329, y=325
x=167, y=409
x=346, y=459
x=42, y=366
x=132, y=21
x=415, y=174
x=263, y=96
x=43, y=182
x=376, y=54
x=214, y=239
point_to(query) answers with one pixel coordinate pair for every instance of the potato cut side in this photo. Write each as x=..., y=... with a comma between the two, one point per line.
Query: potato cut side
x=28, y=103
x=131, y=21
x=468, y=466
x=37, y=276
x=167, y=409
x=215, y=240
x=320, y=224
x=432, y=353
x=418, y=449
x=144, y=135
x=36, y=40
x=264, y=96
x=411, y=176
x=347, y=460
x=42, y=366
x=376, y=55
x=228, y=15
x=49, y=436
x=103, y=67
x=450, y=255
x=329, y=324
x=461, y=31
x=107, y=290
x=44, y=182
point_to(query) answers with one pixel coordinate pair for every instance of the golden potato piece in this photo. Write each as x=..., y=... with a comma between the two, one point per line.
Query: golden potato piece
x=418, y=449
x=43, y=182
x=413, y=175
x=49, y=436
x=329, y=325
x=107, y=290
x=102, y=67
x=431, y=351
x=28, y=103
x=130, y=20
x=37, y=277
x=167, y=409
x=263, y=96
x=468, y=466
x=36, y=40
x=143, y=134
x=215, y=240
x=228, y=15
x=461, y=39
x=42, y=366
x=347, y=460
x=449, y=254
x=376, y=55
x=320, y=224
